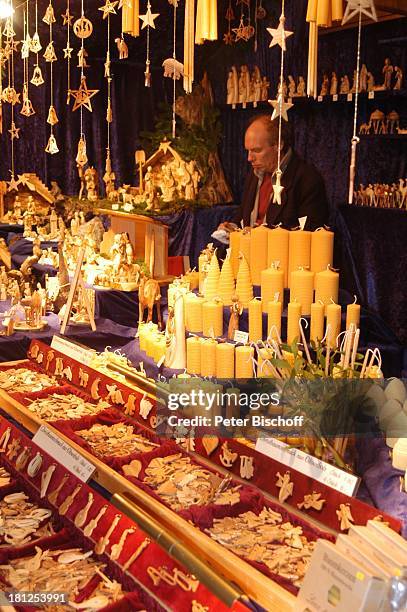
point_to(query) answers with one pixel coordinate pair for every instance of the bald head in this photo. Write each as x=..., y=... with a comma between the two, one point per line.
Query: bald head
x=261, y=143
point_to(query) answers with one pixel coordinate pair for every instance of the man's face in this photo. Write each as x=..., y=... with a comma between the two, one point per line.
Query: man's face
x=260, y=154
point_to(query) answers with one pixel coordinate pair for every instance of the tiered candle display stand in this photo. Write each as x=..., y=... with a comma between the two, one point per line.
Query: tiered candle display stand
x=136, y=407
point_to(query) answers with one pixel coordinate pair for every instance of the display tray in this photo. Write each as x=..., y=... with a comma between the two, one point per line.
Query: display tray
x=30, y=328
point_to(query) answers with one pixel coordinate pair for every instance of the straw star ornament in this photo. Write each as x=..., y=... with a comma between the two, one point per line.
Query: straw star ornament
x=354, y=7
x=67, y=18
x=279, y=34
x=108, y=8
x=280, y=107
x=148, y=18
x=83, y=95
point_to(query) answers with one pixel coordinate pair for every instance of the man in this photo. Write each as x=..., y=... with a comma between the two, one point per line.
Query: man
x=304, y=190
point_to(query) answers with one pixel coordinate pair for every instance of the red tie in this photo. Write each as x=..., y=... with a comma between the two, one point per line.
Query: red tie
x=266, y=189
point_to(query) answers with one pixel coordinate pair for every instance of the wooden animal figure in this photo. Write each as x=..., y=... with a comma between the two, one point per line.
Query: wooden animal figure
x=149, y=295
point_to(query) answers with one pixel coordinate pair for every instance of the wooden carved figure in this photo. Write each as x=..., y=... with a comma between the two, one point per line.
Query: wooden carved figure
x=149, y=295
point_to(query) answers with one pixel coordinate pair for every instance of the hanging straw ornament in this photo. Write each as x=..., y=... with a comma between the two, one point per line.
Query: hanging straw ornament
x=148, y=22
x=109, y=175
x=35, y=47
x=229, y=16
x=49, y=16
x=37, y=78
x=81, y=156
x=189, y=29
x=130, y=17
x=52, y=147
x=67, y=21
x=52, y=118
x=9, y=94
x=320, y=13
x=27, y=108
x=50, y=56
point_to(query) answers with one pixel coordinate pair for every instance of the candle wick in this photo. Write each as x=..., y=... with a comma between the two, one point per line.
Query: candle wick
x=355, y=299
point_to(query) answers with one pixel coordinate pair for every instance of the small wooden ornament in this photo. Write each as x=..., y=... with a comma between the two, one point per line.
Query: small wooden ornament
x=52, y=146
x=83, y=28
x=210, y=443
x=52, y=118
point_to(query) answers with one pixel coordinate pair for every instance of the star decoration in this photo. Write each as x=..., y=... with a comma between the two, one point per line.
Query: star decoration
x=67, y=18
x=148, y=18
x=67, y=52
x=83, y=95
x=13, y=45
x=108, y=8
x=277, y=188
x=23, y=179
x=14, y=131
x=279, y=34
x=354, y=7
x=228, y=38
x=164, y=144
x=280, y=107
x=13, y=184
x=241, y=31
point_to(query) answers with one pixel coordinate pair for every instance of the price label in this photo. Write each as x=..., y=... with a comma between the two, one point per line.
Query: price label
x=320, y=98
x=80, y=353
x=310, y=466
x=52, y=444
x=349, y=97
x=335, y=98
x=241, y=336
x=370, y=95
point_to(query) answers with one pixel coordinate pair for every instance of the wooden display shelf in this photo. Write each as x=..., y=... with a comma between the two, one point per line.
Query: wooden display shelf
x=256, y=585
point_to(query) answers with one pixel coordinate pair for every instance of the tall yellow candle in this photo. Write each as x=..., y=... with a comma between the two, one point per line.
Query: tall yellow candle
x=322, y=249
x=255, y=320
x=193, y=312
x=337, y=10
x=193, y=355
x=333, y=319
x=274, y=310
x=244, y=363
x=317, y=321
x=293, y=322
x=234, y=243
x=245, y=244
x=258, y=252
x=225, y=360
x=326, y=286
x=277, y=250
x=208, y=357
x=299, y=251
x=353, y=315
x=272, y=282
x=212, y=318
x=302, y=289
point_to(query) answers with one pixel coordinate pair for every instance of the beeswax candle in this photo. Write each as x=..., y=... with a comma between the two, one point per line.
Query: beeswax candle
x=299, y=251
x=317, y=321
x=353, y=315
x=274, y=310
x=302, y=289
x=326, y=286
x=193, y=312
x=225, y=360
x=234, y=243
x=322, y=248
x=264, y=370
x=333, y=319
x=258, y=252
x=244, y=363
x=226, y=285
x=211, y=283
x=245, y=244
x=277, y=250
x=194, y=355
x=208, y=357
x=255, y=320
x=212, y=318
x=272, y=282
x=293, y=321
x=244, y=287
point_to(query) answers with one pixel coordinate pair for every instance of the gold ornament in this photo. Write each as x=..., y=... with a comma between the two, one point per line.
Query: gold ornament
x=27, y=109
x=49, y=16
x=241, y=32
x=82, y=28
x=82, y=55
x=37, y=78
x=280, y=107
x=8, y=31
x=109, y=113
x=52, y=146
x=35, y=43
x=279, y=34
x=52, y=118
x=67, y=18
x=148, y=18
x=14, y=131
x=81, y=157
x=26, y=47
x=83, y=95
x=108, y=8
x=67, y=52
x=10, y=95
x=13, y=184
x=50, y=55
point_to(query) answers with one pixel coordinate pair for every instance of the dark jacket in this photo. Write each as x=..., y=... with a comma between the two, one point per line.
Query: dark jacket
x=303, y=195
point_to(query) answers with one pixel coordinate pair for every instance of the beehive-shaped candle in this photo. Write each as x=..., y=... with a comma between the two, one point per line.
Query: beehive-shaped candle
x=211, y=283
x=293, y=322
x=277, y=250
x=272, y=283
x=274, y=310
x=258, y=252
x=299, y=251
x=212, y=318
x=208, y=357
x=193, y=312
x=192, y=277
x=245, y=243
x=255, y=320
x=326, y=286
x=244, y=287
x=302, y=289
x=244, y=363
x=234, y=243
x=322, y=248
x=317, y=321
x=194, y=355
x=226, y=285
x=225, y=360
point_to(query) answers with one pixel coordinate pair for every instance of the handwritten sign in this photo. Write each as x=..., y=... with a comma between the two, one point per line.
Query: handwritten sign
x=50, y=442
x=241, y=336
x=310, y=466
x=80, y=353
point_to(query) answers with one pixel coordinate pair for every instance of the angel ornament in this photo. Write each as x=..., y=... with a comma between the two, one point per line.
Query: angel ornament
x=344, y=516
x=312, y=501
x=236, y=309
x=285, y=485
